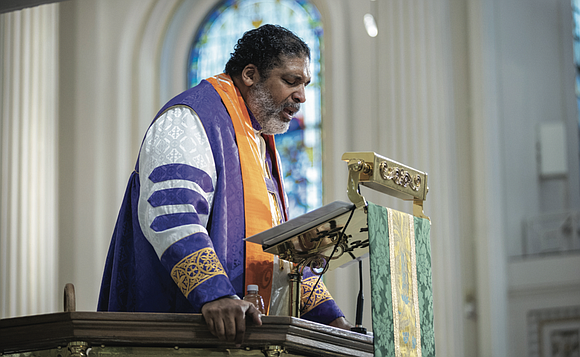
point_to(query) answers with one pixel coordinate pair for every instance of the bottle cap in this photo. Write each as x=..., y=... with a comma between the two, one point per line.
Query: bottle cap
x=253, y=288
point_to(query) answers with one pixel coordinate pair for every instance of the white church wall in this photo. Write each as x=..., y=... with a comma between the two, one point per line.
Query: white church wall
x=535, y=86
x=536, y=75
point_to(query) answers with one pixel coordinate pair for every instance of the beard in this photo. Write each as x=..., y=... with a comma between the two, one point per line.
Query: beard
x=269, y=114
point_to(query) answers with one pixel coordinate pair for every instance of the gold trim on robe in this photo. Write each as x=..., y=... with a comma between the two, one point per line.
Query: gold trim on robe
x=196, y=268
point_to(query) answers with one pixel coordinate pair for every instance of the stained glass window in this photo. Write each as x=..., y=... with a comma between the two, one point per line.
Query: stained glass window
x=300, y=148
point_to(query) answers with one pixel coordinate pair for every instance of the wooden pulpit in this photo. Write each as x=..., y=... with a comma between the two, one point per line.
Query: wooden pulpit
x=334, y=235
x=79, y=333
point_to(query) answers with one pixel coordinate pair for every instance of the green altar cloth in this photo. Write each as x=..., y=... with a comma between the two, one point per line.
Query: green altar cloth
x=401, y=288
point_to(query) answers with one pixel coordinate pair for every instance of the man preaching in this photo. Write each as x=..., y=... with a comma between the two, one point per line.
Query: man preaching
x=207, y=177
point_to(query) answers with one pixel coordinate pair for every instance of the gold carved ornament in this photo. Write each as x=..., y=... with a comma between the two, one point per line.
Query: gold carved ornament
x=399, y=176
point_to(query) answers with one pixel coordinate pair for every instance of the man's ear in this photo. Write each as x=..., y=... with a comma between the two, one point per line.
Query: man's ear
x=250, y=75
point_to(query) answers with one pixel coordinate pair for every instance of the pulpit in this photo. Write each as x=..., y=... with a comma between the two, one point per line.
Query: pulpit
x=95, y=334
x=340, y=233
x=397, y=243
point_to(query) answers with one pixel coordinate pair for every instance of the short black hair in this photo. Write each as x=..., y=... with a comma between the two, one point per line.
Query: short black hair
x=264, y=47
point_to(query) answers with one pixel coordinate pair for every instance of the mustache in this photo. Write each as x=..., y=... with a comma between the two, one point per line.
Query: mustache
x=290, y=105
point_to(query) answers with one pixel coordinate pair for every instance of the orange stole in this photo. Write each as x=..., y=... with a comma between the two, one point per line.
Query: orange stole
x=258, y=217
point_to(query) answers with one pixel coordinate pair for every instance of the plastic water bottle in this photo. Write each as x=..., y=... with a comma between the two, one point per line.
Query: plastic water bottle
x=255, y=298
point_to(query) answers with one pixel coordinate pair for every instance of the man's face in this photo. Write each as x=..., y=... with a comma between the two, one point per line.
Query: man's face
x=275, y=100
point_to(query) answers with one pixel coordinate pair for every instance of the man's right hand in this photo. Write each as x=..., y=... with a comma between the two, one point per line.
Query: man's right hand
x=226, y=318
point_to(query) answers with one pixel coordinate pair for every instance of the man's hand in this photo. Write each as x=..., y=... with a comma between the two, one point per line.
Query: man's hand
x=226, y=318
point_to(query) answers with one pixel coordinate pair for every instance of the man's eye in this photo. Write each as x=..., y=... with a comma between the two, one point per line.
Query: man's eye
x=288, y=82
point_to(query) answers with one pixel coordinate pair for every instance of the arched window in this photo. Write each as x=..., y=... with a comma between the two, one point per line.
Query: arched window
x=300, y=148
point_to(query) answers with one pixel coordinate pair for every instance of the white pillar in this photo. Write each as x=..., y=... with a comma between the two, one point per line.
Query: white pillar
x=488, y=235
x=28, y=112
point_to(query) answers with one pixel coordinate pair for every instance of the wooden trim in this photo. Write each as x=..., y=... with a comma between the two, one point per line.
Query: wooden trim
x=15, y=5
x=41, y=332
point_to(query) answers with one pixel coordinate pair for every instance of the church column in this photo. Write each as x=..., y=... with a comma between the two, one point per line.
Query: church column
x=28, y=234
x=488, y=233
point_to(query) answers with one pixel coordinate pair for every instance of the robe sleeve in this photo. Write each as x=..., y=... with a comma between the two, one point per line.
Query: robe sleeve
x=177, y=177
x=317, y=306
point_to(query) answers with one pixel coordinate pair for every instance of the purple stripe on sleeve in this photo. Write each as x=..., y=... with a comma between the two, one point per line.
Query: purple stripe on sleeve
x=182, y=172
x=167, y=221
x=178, y=196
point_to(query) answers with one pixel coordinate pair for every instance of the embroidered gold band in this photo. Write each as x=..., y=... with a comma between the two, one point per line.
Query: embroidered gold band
x=407, y=332
x=319, y=296
x=196, y=268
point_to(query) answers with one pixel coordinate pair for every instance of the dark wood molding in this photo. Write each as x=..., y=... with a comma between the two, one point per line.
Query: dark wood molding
x=14, y=5
x=50, y=331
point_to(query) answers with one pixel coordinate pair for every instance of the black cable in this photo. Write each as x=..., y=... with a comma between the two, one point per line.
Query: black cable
x=329, y=259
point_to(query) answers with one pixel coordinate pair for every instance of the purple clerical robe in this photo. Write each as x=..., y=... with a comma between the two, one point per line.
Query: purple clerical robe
x=178, y=241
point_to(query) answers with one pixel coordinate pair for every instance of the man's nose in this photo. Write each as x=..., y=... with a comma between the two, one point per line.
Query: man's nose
x=299, y=96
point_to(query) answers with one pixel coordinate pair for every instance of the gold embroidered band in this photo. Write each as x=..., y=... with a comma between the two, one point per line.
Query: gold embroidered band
x=196, y=268
x=407, y=331
x=319, y=296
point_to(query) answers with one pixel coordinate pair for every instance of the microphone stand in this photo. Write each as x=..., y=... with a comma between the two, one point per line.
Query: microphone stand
x=359, y=304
